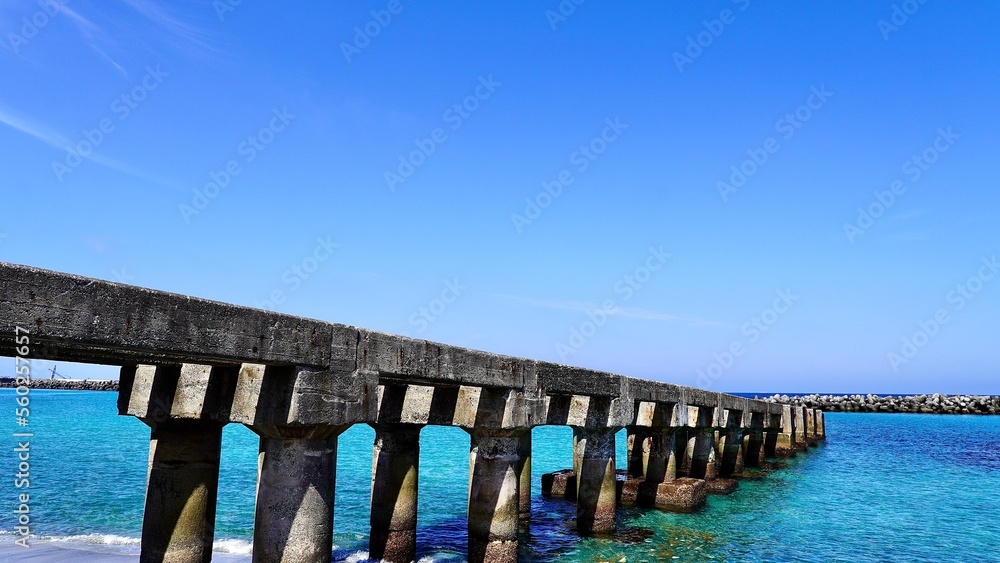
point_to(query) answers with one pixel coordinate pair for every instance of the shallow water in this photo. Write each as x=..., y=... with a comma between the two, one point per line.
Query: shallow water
x=884, y=487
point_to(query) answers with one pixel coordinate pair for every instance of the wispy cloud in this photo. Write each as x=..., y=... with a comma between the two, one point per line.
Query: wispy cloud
x=180, y=34
x=26, y=126
x=56, y=140
x=618, y=311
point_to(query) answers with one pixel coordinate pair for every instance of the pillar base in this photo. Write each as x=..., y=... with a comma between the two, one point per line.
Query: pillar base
x=395, y=545
x=785, y=452
x=559, y=484
x=629, y=490
x=721, y=486
x=681, y=495
x=494, y=551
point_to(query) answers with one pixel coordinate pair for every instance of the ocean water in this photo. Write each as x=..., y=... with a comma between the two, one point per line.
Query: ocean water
x=884, y=487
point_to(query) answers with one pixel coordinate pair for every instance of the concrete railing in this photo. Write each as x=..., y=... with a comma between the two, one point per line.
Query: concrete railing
x=189, y=366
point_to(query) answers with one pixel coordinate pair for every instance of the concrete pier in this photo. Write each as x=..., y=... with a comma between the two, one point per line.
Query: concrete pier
x=701, y=446
x=183, y=482
x=753, y=442
x=594, y=461
x=191, y=366
x=493, y=495
x=788, y=440
x=524, y=477
x=293, y=521
x=395, y=472
x=801, y=438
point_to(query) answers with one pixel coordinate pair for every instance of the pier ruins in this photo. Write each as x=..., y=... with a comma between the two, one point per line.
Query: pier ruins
x=190, y=366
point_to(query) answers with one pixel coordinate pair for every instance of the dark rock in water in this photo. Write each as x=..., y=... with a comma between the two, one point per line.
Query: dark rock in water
x=721, y=486
x=633, y=535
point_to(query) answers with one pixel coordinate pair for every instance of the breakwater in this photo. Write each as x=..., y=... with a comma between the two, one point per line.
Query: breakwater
x=927, y=404
x=64, y=384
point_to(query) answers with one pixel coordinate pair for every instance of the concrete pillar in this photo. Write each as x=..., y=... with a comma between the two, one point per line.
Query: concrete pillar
x=660, y=465
x=801, y=441
x=494, y=500
x=683, y=449
x=594, y=460
x=820, y=425
x=787, y=442
x=637, y=448
x=661, y=457
x=395, y=473
x=293, y=520
x=524, y=478
x=731, y=449
x=701, y=446
x=753, y=448
x=810, y=416
x=178, y=524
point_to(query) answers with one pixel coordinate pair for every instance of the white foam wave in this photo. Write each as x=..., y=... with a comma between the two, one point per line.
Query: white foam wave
x=98, y=539
x=236, y=547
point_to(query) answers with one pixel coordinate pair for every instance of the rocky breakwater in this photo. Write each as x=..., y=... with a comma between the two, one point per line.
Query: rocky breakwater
x=930, y=404
x=65, y=384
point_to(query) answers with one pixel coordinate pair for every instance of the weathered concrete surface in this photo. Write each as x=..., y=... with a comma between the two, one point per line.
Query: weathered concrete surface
x=395, y=478
x=799, y=420
x=594, y=461
x=681, y=495
x=293, y=521
x=721, y=486
x=315, y=372
x=98, y=321
x=524, y=477
x=787, y=440
x=493, y=495
x=559, y=484
x=178, y=524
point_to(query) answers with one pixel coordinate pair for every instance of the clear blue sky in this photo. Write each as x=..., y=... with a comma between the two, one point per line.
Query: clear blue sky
x=377, y=163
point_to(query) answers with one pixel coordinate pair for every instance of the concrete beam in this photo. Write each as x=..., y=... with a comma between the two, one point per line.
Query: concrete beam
x=416, y=361
x=103, y=322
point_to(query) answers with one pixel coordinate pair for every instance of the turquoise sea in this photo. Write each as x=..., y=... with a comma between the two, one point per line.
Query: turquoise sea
x=884, y=487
